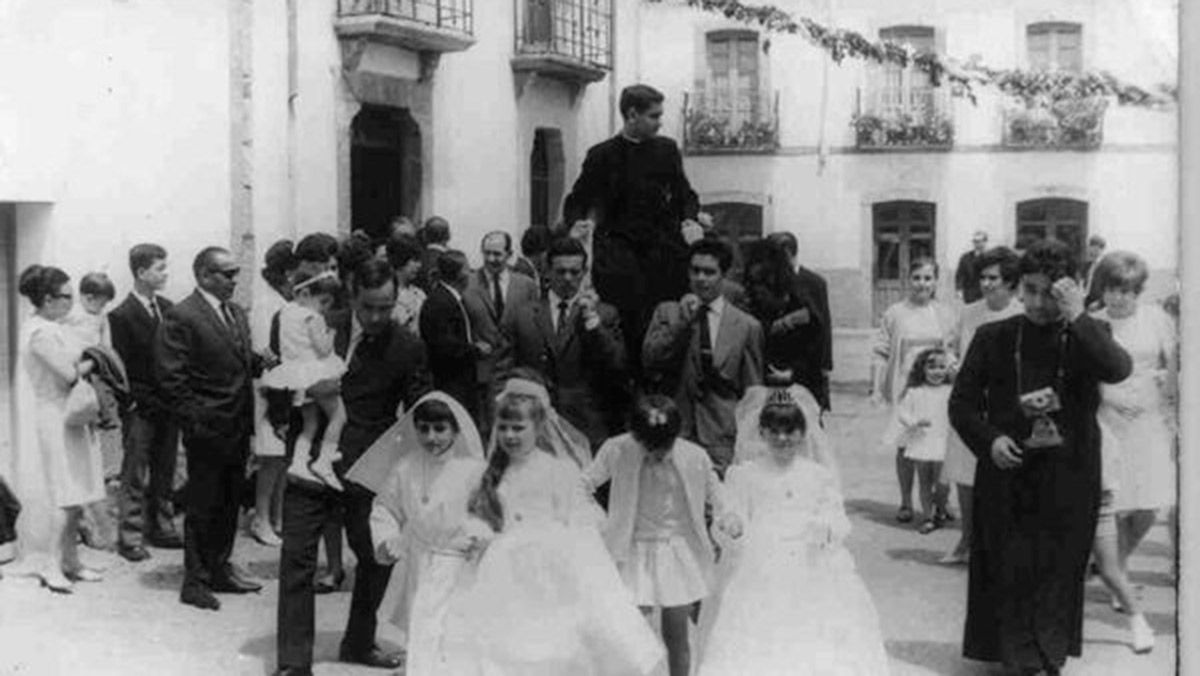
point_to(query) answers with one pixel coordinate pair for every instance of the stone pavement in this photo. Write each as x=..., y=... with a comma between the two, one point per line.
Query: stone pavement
x=132, y=623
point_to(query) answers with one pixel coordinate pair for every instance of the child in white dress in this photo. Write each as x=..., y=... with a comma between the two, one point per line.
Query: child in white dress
x=546, y=599
x=306, y=358
x=921, y=426
x=655, y=529
x=423, y=471
x=790, y=600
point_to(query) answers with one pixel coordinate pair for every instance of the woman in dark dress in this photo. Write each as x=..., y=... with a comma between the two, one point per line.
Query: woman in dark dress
x=1025, y=404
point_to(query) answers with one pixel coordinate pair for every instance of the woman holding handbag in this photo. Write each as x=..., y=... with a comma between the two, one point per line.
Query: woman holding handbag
x=57, y=462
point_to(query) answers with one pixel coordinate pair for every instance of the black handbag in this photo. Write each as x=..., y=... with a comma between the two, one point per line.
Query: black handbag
x=10, y=507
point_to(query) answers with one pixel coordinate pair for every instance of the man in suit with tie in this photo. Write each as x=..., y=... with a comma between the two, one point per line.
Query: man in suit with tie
x=446, y=329
x=151, y=438
x=386, y=372
x=575, y=342
x=709, y=350
x=494, y=292
x=205, y=366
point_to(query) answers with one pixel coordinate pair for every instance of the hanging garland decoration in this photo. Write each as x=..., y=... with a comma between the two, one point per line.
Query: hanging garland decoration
x=1030, y=86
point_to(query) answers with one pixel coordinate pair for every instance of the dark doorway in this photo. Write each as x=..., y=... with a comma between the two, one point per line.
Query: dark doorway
x=903, y=232
x=547, y=168
x=1061, y=219
x=385, y=168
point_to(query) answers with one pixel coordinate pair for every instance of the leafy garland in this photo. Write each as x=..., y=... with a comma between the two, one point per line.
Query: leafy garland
x=1030, y=86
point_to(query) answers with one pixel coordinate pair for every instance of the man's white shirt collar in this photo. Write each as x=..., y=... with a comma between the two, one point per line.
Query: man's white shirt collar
x=213, y=301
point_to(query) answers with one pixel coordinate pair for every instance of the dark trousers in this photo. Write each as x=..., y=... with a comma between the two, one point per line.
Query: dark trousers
x=216, y=480
x=151, y=443
x=306, y=509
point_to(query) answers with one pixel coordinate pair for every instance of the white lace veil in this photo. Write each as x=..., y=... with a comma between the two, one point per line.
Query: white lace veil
x=750, y=444
x=558, y=436
x=376, y=463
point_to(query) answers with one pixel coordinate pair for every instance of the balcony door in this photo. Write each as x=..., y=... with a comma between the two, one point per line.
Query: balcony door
x=905, y=90
x=385, y=168
x=1055, y=46
x=903, y=232
x=1058, y=218
x=734, y=78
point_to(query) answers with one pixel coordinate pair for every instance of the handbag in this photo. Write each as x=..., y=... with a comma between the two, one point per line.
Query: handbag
x=83, y=405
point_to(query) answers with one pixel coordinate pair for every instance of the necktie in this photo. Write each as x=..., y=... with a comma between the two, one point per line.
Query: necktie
x=497, y=297
x=227, y=315
x=706, y=345
x=154, y=311
x=563, y=306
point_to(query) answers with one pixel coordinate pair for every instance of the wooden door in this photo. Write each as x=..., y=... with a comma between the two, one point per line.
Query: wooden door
x=902, y=232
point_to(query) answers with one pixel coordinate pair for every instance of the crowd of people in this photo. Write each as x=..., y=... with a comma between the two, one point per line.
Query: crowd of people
x=628, y=416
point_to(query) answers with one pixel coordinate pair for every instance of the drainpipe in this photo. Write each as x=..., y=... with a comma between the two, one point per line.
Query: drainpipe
x=293, y=91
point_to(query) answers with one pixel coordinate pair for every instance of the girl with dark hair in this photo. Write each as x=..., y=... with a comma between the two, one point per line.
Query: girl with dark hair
x=790, y=600
x=57, y=465
x=921, y=427
x=656, y=531
x=545, y=598
x=422, y=471
x=306, y=358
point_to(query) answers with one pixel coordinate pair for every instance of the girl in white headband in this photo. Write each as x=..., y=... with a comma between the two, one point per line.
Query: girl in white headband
x=307, y=357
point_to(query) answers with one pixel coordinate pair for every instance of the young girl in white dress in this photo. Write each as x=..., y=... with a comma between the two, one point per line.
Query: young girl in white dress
x=790, y=600
x=546, y=599
x=423, y=471
x=921, y=426
x=307, y=357
x=655, y=529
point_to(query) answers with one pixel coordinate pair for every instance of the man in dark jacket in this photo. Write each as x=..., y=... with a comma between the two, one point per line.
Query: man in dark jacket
x=446, y=329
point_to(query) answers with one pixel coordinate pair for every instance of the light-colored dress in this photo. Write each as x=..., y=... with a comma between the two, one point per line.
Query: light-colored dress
x=959, y=467
x=1138, y=442
x=929, y=443
x=424, y=503
x=300, y=366
x=904, y=331
x=791, y=601
x=266, y=444
x=546, y=599
x=90, y=330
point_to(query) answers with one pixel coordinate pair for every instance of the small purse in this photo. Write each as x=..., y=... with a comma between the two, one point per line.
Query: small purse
x=83, y=405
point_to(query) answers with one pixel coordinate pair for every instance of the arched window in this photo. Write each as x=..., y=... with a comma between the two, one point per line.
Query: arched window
x=903, y=231
x=1055, y=46
x=737, y=223
x=1060, y=218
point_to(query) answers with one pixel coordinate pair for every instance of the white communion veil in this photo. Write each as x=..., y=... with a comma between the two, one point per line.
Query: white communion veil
x=561, y=437
x=750, y=444
x=376, y=463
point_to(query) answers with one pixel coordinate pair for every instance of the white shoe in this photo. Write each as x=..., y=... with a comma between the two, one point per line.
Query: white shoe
x=1143, y=635
x=264, y=534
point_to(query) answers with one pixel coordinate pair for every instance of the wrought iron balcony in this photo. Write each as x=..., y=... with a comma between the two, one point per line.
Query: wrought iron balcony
x=569, y=40
x=722, y=122
x=903, y=118
x=1074, y=124
x=420, y=25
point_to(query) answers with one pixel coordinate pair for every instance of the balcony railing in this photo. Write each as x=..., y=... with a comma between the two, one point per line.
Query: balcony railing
x=1076, y=124
x=579, y=30
x=422, y=25
x=903, y=118
x=721, y=122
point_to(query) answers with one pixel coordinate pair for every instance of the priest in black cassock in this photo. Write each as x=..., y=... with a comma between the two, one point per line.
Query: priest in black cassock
x=1025, y=403
x=633, y=195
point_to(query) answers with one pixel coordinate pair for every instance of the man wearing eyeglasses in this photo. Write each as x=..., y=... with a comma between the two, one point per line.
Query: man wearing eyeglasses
x=205, y=366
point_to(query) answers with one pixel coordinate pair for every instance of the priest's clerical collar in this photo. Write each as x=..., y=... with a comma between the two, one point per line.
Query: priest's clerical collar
x=625, y=135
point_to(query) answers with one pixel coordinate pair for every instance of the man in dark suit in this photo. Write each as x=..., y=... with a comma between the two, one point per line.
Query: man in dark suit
x=634, y=198
x=966, y=275
x=814, y=287
x=446, y=329
x=205, y=366
x=435, y=237
x=150, y=436
x=386, y=371
x=574, y=341
x=495, y=292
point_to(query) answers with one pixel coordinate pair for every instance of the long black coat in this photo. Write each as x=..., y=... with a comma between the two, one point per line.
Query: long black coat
x=452, y=356
x=1034, y=525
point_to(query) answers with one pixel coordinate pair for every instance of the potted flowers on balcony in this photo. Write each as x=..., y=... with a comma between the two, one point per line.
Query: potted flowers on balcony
x=903, y=129
x=707, y=131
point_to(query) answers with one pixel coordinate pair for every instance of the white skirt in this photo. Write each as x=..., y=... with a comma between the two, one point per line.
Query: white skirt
x=299, y=375
x=663, y=573
x=960, y=462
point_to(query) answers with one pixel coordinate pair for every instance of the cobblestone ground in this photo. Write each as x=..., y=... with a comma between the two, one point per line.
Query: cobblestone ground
x=132, y=623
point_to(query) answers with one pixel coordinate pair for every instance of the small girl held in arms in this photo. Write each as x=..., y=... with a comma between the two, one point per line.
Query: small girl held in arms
x=545, y=598
x=655, y=530
x=306, y=358
x=423, y=471
x=790, y=600
x=921, y=426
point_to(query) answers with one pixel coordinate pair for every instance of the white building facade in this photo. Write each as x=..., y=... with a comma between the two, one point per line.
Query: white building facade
x=870, y=167
x=240, y=122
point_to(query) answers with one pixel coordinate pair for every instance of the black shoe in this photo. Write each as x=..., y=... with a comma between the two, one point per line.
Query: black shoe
x=232, y=583
x=133, y=553
x=375, y=657
x=166, y=540
x=198, y=595
x=293, y=671
x=327, y=584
